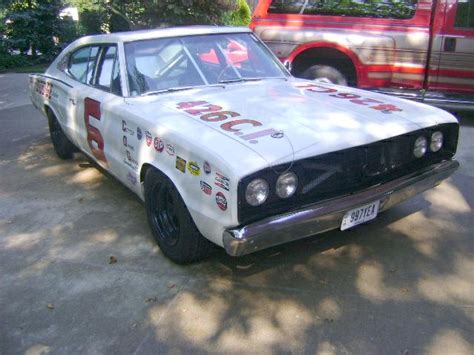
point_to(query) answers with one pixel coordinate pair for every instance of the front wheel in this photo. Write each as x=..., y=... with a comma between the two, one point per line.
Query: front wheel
x=170, y=222
x=325, y=71
x=62, y=145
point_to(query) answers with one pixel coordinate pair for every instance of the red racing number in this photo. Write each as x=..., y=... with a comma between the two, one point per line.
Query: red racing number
x=94, y=137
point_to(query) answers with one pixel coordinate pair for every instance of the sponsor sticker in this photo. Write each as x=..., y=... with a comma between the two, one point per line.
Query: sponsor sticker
x=130, y=161
x=127, y=129
x=159, y=145
x=149, y=138
x=139, y=133
x=207, y=167
x=194, y=168
x=222, y=181
x=206, y=188
x=221, y=201
x=170, y=149
x=180, y=164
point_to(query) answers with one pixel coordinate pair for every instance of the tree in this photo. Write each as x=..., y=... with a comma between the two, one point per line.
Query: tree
x=127, y=15
x=33, y=25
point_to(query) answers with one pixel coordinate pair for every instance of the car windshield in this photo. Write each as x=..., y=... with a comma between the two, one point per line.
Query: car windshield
x=169, y=64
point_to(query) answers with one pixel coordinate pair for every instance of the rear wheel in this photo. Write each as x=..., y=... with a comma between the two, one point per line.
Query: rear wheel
x=320, y=71
x=170, y=222
x=62, y=145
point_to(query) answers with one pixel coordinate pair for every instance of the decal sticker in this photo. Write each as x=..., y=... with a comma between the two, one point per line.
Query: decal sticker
x=207, y=167
x=180, y=164
x=94, y=136
x=353, y=98
x=148, y=138
x=170, y=149
x=158, y=144
x=206, y=188
x=44, y=88
x=127, y=129
x=132, y=178
x=194, y=168
x=126, y=145
x=221, y=201
x=222, y=181
x=139, y=133
x=131, y=161
x=213, y=114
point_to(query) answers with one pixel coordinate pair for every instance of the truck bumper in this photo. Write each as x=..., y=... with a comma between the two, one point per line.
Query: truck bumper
x=326, y=215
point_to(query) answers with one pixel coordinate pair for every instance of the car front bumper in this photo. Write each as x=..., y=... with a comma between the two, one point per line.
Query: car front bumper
x=326, y=215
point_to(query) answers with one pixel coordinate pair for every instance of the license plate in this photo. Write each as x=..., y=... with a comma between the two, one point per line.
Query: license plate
x=360, y=215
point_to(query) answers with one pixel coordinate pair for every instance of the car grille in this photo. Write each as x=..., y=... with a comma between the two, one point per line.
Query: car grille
x=347, y=171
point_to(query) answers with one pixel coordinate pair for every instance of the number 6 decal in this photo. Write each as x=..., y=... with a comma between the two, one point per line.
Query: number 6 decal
x=92, y=109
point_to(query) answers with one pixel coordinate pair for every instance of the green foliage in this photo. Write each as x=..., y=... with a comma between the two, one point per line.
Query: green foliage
x=33, y=25
x=8, y=61
x=97, y=16
x=239, y=17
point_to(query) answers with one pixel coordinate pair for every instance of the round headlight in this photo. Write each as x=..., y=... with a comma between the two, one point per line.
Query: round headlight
x=436, y=141
x=256, y=192
x=286, y=185
x=421, y=145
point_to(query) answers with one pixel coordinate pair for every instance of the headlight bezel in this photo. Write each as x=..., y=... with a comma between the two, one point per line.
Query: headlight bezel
x=256, y=181
x=420, y=143
x=440, y=140
x=288, y=174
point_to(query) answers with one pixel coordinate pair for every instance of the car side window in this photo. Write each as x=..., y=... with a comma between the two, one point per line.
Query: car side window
x=402, y=9
x=465, y=14
x=82, y=63
x=108, y=74
x=78, y=62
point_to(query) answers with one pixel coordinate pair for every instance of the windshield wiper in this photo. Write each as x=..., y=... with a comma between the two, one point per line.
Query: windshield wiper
x=238, y=80
x=157, y=92
x=241, y=80
x=182, y=88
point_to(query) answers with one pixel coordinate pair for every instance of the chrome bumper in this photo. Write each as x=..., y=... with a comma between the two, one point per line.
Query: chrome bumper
x=327, y=215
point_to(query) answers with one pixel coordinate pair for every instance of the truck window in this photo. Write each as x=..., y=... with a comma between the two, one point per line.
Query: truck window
x=402, y=9
x=465, y=14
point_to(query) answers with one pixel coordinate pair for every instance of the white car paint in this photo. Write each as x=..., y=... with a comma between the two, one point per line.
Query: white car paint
x=306, y=119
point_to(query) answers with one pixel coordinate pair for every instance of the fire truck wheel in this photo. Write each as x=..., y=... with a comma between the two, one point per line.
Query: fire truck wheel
x=325, y=71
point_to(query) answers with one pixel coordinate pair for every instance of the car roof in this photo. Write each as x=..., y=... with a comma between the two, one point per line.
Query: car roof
x=163, y=33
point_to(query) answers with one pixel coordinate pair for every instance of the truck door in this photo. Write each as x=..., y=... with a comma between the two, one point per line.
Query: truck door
x=452, y=60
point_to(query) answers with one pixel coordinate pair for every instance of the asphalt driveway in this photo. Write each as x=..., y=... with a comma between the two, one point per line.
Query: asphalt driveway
x=403, y=284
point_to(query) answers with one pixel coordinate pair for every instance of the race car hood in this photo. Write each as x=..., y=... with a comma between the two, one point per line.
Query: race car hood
x=283, y=120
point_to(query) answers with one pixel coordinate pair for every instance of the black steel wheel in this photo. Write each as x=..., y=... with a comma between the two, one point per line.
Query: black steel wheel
x=61, y=143
x=171, y=224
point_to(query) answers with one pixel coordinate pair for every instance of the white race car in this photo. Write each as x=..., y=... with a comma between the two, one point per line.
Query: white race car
x=225, y=147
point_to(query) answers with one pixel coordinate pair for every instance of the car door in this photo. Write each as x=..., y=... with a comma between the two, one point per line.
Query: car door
x=453, y=48
x=97, y=109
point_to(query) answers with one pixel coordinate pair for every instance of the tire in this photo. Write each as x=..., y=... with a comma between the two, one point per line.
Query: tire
x=171, y=224
x=325, y=71
x=62, y=145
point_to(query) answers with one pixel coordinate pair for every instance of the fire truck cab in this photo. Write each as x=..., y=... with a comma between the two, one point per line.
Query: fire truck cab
x=418, y=49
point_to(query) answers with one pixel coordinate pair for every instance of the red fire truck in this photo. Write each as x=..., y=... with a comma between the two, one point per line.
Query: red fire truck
x=419, y=49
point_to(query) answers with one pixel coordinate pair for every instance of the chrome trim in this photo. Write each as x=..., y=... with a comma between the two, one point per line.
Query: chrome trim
x=439, y=99
x=327, y=215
